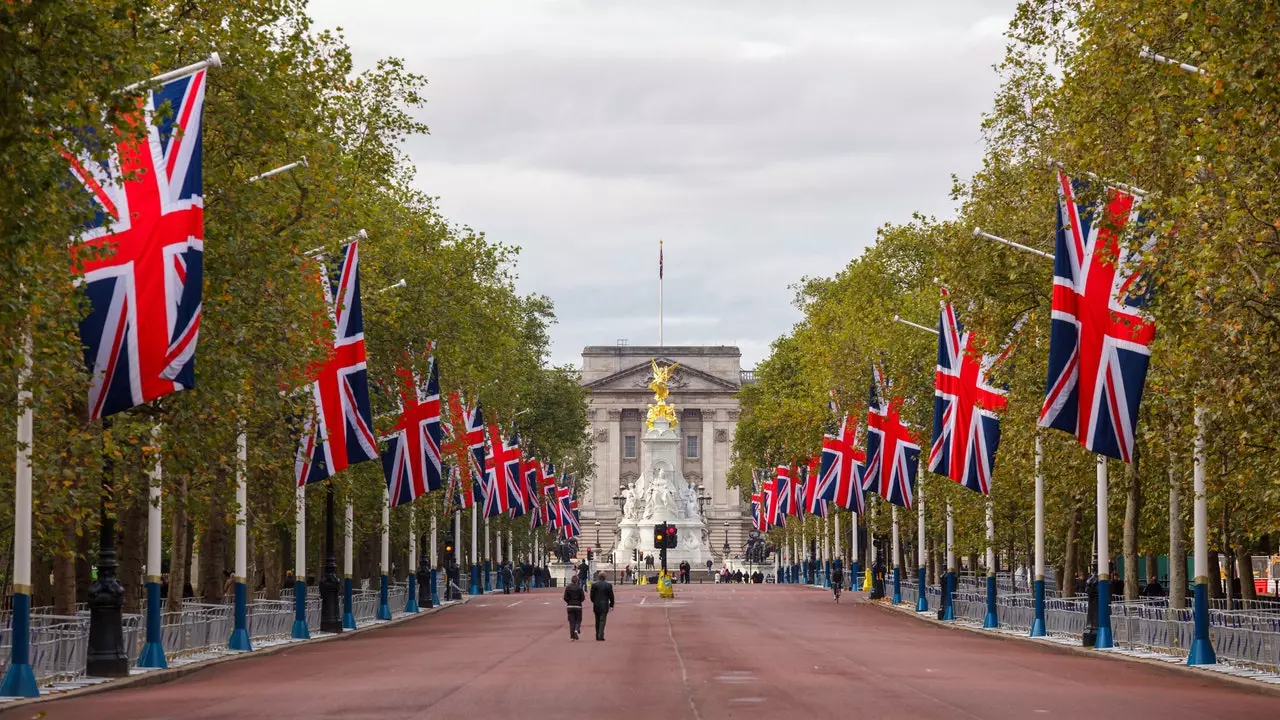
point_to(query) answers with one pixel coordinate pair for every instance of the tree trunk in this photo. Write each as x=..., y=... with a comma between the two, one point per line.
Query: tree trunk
x=41, y=589
x=273, y=562
x=1215, y=575
x=178, y=550
x=64, y=581
x=1244, y=570
x=84, y=562
x=1072, y=555
x=131, y=549
x=1177, y=544
x=1132, y=516
x=1152, y=570
x=213, y=546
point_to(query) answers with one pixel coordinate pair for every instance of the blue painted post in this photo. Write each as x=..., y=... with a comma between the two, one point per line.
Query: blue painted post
x=949, y=595
x=992, y=620
x=855, y=581
x=384, y=599
x=922, y=602
x=435, y=588
x=153, y=651
x=240, y=633
x=826, y=573
x=300, y=630
x=1201, y=645
x=1037, y=626
x=1103, y=640
x=475, y=580
x=411, y=602
x=348, y=604
x=487, y=569
x=19, y=680
x=897, y=585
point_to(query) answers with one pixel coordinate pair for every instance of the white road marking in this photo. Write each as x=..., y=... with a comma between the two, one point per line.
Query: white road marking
x=515, y=603
x=646, y=597
x=746, y=700
x=736, y=677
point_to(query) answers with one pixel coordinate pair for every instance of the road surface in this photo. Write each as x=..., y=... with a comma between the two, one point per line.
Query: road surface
x=715, y=652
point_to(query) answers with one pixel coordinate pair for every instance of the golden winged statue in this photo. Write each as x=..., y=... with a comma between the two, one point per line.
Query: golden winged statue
x=661, y=376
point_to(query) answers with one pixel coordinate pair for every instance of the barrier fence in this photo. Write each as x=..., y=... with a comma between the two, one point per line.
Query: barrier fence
x=60, y=643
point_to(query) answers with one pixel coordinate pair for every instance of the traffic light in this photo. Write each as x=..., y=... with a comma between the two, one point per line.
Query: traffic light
x=659, y=536
x=448, y=546
x=673, y=536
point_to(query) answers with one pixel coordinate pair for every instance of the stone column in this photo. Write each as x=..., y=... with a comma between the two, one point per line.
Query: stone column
x=714, y=486
x=604, y=490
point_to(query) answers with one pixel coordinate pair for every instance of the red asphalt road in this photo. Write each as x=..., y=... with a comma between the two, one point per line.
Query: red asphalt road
x=739, y=651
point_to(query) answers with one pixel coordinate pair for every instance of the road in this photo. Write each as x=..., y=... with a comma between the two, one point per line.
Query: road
x=715, y=652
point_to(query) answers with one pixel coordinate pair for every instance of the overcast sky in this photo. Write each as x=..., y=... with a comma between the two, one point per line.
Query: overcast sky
x=764, y=141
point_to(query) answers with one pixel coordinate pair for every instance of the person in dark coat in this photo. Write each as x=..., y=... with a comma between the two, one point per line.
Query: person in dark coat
x=601, y=602
x=517, y=577
x=506, y=578
x=573, y=597
x=1153, y=589
x=583, y=572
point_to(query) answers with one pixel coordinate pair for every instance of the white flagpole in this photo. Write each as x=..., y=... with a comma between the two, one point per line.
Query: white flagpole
x=214, y=60
x=281, y=169
x=1037, y=625
x=1202, y=652
x=897, y=571
x=153, y=650
x=457, y=540
x=411, y=602
x=1103, y=639
x=922, y=600
x=300, y=630
x=992, y=619
x=384, y=582
x=240, y=632
x=836, y=534
x=660, y=276
x=19, y=678
x=348, y=551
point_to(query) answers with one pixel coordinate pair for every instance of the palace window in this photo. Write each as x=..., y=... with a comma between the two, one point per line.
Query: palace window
x=629, y=446
x=691, y=446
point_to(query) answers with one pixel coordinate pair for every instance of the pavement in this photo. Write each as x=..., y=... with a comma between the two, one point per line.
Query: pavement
x=715, y=651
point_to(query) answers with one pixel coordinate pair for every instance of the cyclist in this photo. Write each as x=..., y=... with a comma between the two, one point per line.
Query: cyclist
x=837, y=580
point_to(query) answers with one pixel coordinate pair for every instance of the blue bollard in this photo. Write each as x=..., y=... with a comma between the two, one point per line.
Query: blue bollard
x=855, y=581
x=1201, y=645
x=922, y=598
x=826, y=574
x=153, y=651
x=300, y=630
x=240, y=634
x=411, y=602
x=897, y=586
x=434, y=587
x=19, y=679
x=487, y=587
x=1103, y=640
x=1037, y=625
x=384, y=599
x=348, y=605
x=475, y=581
x=992, y=620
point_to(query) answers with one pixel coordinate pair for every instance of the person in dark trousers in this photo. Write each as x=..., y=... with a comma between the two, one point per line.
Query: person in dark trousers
x=573, y=597
x=518, y=577
x=601, y=602
x=506, y=578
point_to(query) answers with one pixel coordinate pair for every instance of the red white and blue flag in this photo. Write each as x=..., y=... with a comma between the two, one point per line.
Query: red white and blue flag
x=502, y=473
x=841, y=472
x=567, y=509
x=966, y=406
x=893, y=455
x=1100, y=339
x=412, y=462
x=813, y=502
x=144, y=286
x=782, y=496
x=338, y=431
x=757, y=515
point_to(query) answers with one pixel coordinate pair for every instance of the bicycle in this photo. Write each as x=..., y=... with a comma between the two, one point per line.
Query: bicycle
x=836, y=586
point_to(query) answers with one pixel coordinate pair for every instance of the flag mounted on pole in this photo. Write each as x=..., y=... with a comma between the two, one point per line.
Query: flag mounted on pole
x=145, y=290
x=338, y=432
x=412, y=462
x=1100, y=339
x=502, y=473
x=966, y=406
x=841, y=471
x=893, y=455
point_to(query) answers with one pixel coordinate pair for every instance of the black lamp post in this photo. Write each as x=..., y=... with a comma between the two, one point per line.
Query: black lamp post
x=330, y=613
x=622, y=504
x=726, y=540
x=106, y=656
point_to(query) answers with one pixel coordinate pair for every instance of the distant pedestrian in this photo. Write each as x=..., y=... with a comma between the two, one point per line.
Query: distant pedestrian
x=573, y=597
x=1153, y=589
x=601, y=603
x=506, y=578
x=517, y=577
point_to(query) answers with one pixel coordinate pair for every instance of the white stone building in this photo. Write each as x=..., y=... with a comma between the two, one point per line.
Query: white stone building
x=704, y=392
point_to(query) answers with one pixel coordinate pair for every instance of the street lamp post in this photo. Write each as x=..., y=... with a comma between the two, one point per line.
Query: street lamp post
x=597, y=524
x=621, y=502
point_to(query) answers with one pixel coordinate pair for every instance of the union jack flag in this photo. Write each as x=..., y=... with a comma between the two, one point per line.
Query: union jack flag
x=547, y=491
x=841, y=471
x=813, y=502
x=461, y=494
x=782, y=496
x=528, y=495
x=893, y=455
x=502, y=473
x=757, y=514
x=338, y=432
x=966, y=406
x=797, y=491
x=473, y=425
x=412, y=462
x=1100, y=339
x=144, y=294
x=567, y=508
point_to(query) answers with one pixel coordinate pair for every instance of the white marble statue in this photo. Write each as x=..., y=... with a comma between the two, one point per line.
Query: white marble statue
x=631, y=508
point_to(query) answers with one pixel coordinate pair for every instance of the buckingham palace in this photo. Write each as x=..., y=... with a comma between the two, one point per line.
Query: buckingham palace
x=704, y=392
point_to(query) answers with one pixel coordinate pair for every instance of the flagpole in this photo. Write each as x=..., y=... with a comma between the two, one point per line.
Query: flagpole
x=1037, y=626
x=214, y=60
x=475, y=538
x=384, y=582
x=488, y=556
x=19, y=678
x=854, y=555
x=660, y=273
x=1103, y=640
x=922, y=600
x=153, y=651
x=411, y=599
x=300, y=631
x=1201, y=645
x=949, y=582
x=992, y=619
x=457, y=539
x=240, y=633
x=897, y=572
x=348, y=548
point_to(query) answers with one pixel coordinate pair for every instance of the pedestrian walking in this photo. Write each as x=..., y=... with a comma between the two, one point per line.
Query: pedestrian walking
x=601, y=603
x=506, y=578
x=573, y=597
x=517, y=576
